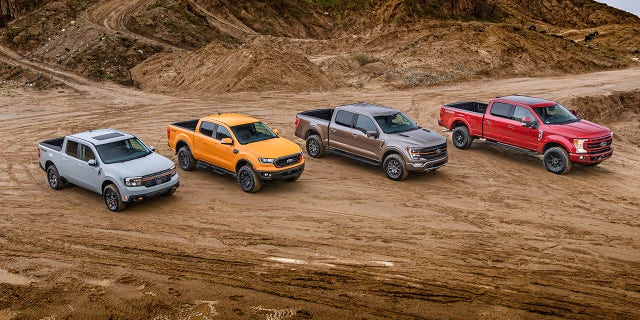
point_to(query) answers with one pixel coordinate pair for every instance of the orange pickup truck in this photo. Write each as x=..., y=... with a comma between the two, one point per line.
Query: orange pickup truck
x=238, y=145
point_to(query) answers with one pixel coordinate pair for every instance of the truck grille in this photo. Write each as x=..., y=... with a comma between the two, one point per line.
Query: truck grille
x=287, y=160
x=598, y=145
x=433, y=153
x=157, y=178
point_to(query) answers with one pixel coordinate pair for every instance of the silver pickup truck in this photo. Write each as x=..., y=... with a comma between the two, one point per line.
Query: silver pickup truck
x=110, y=162
x=373, y=134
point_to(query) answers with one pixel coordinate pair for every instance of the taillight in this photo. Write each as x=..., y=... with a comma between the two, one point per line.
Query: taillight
x=297, y=122
x=168, y=134
x=38, y=153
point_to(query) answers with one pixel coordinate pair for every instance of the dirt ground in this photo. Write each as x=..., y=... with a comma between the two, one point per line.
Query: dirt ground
x=492, y=235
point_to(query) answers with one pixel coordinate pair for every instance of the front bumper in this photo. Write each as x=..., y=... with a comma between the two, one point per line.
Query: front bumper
x=281, y=174
x=424, y=166
x=134, y=194
x=590, y=157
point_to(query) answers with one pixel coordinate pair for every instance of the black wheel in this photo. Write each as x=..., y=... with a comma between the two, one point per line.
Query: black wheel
x=112, y=198
x=556, y=160
x=314, y=146
x=394, y=167
x=185, y=159
x=55, y=180
x=293, y=179
x=461, y=138
x=248, y=180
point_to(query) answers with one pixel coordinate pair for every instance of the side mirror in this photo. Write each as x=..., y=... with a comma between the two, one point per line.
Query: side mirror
x=92, y=162
x=227, y=141
x=574, y=112
x=371, y=134
x=527, y=123
x=152, y=148
x=276, y=131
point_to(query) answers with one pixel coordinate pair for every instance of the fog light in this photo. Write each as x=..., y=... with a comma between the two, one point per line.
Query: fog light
x=582, y=157
x=126, y=198
x=266, y=175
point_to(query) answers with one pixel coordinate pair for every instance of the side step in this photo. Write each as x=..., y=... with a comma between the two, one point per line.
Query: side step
x=512, y=148
x=218, y=170
x=355, y=157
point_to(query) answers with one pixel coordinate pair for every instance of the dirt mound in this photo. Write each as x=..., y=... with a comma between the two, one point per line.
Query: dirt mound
x=220, y=68
x=12, y=76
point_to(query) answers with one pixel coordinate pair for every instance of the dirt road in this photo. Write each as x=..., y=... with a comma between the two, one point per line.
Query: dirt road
x=491, y=235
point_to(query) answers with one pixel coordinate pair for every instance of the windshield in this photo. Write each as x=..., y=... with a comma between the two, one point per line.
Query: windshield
x=252, y=132
x=556, y=114
x=394, y=123
x=123, y=150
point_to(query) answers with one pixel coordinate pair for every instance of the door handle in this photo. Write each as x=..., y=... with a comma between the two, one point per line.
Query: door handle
x=355, y=136
x=487, y=121
x=510, y=127
x=333, y=130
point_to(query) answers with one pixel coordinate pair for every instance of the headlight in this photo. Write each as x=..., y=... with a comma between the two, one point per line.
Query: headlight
x=266, y=160
x=172, y=171
x=414, y=153
x=579, y=144
x=133, y=181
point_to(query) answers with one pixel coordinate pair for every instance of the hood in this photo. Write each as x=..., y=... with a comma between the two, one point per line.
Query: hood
x=273, y=148
x=141, y=167
x=416, y=138
x=580, y=129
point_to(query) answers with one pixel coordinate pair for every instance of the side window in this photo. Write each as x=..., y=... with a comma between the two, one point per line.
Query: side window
x=222, y=132
x=520, y=113
x=86, y=153
x=502, y=110
x=344, y=118
x=207, y=128
x=72, y=148
x=365, y=124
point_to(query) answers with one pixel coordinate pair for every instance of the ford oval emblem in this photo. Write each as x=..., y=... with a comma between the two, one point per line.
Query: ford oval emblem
x=439, y=151
x=603, y=143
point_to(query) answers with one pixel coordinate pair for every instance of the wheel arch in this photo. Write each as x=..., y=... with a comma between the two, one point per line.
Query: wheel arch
x=180, y=144
x=311, y=132
x=241, y=163
x=392, y=151
x=105, y=183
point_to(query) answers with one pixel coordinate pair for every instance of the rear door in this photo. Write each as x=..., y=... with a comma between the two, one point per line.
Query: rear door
x=78, y=170
x=203, y=144
x=498, y=123
x=223, y=156
x=341, y=131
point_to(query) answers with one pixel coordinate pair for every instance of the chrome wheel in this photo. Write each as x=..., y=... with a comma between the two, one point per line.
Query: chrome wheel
x=52, y=175
x=313, y=148
x=394, y=169
x=111, y=199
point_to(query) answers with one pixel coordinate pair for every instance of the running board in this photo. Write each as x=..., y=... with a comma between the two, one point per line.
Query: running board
x=512, y=148
x=218, y=170
x=354, y=157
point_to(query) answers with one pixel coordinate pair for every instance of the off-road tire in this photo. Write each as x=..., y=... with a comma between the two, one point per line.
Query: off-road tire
x=248, y=180
x=112, y=198
x=461, y=138
x=557, y=160
x=395, y=167
x=185, y=159
x=53, y=177
x=315, y=149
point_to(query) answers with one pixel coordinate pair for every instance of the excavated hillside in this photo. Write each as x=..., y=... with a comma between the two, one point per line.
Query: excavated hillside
x=206, y=46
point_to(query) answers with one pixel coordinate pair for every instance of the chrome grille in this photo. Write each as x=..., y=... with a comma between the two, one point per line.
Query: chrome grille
x=157, y=178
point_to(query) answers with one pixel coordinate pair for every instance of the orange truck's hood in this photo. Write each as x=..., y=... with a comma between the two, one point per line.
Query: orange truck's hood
x=272, y=148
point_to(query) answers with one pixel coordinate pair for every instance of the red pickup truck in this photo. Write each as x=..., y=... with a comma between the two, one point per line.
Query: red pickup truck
x=530, y=125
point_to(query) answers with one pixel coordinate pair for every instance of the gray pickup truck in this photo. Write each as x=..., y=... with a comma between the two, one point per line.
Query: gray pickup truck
x=373, y=134
x=110, y=162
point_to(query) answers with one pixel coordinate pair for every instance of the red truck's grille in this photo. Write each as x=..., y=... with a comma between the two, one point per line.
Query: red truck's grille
x=599, y=145
x=287, y=160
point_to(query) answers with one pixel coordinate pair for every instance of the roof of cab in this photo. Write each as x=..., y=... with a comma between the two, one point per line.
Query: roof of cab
x=231, y=119
x=368, y=108
x=529, y=101
x=102, y=136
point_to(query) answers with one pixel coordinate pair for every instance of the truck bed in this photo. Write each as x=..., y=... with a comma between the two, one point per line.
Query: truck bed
x=54, y=144
x=188, y=125
x=324, y=114
x=473, y=106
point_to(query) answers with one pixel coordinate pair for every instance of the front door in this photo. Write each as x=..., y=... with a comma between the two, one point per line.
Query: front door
x=524, y=137
x=368, y=147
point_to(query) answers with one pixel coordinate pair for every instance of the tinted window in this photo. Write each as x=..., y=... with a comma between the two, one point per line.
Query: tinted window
x=502, y=110
x=394, y=123
x=207, y=128
x=252, y=132
x=556, y=114
x=365, y=124
x=86, y=153
x=222, y=132
x=123, y=150
x=344, y=118
x=72, y=148
x=520, y=113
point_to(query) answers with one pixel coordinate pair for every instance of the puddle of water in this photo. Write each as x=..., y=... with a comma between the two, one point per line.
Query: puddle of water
x=10, y=278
